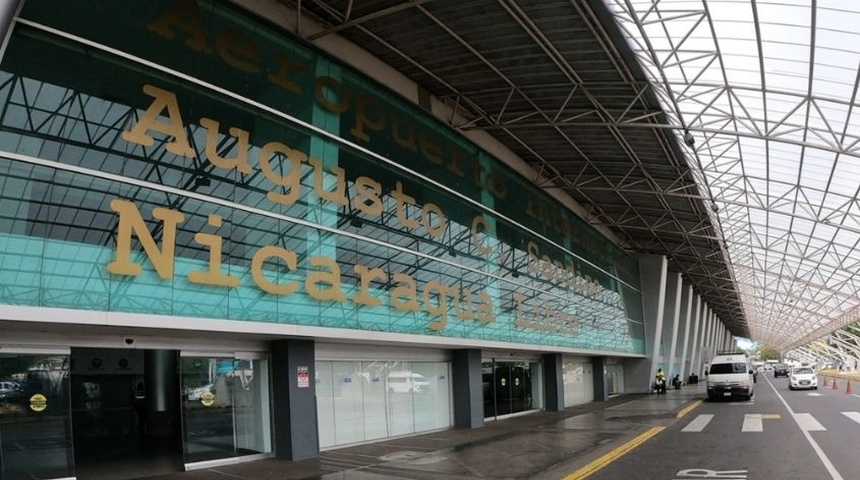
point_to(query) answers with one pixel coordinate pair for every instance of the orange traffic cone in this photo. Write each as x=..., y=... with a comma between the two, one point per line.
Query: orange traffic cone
x=848, y=388
x=834, y=383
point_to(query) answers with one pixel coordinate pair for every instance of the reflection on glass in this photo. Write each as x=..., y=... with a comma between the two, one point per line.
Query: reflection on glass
x=614, y=379
x=224, y=408
x=35, y=428
x=367, y=400
x=578, y=383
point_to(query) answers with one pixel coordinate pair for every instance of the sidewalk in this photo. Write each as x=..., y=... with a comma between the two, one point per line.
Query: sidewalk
x=539, y=446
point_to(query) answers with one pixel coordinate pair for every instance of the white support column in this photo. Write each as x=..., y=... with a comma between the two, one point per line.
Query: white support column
x=687, y=312
x=703, y=342
x=718, y=324
x=676, y=315
x=653, y=270
x=711, y=330
x=718, y=337
x=694, y=345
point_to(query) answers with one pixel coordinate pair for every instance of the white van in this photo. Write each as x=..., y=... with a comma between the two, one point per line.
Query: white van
x=730, y=375
x=407, y=382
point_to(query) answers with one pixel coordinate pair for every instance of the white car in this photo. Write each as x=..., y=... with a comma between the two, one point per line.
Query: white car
x=196, y=394
x=407, y=382
x=802, y=377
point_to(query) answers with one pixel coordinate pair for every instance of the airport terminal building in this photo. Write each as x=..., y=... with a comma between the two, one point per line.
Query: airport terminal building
x=220, y=242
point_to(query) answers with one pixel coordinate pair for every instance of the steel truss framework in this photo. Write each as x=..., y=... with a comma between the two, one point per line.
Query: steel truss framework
x=766, y=93
x=842, y=345
x=721, y=133
x=556, y=84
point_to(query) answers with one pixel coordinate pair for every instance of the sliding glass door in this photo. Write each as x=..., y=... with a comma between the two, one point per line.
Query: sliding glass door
x=35, y=425
x=510, y=387
x=225, y=407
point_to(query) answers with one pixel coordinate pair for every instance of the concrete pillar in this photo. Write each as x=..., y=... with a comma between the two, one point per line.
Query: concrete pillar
x=468, y=389
x=712, y=335
x=673, y=308
x=718, y=341
x=601, y=389
x=706, y=341
x=700, y=360
x=694, y=342
x=686, y=314
x=652, y=272
x=294, y=408
x=718, y=337
x=553, y=382
x=721, y=337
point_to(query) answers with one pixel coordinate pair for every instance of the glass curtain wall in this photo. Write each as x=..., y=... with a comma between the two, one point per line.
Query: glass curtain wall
x=225, y=407
x=35, y=425
x=360, y=401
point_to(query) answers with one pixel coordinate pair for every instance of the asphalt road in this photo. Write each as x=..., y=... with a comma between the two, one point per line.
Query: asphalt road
x=778, y=435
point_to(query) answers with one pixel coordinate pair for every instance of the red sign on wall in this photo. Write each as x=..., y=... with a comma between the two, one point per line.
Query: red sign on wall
x=302, y=375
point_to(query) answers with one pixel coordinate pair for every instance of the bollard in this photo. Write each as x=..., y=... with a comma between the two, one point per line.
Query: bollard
x=848, y=387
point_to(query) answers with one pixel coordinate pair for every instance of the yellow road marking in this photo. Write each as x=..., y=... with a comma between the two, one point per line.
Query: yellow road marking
x=770, y=416
x=613, y=455
x=689, y=408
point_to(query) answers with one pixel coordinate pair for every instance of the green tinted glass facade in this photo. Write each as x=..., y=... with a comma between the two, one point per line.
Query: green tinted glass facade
x=202, y=164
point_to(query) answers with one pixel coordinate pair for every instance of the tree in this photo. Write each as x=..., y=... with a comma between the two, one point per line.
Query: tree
x=767, y=353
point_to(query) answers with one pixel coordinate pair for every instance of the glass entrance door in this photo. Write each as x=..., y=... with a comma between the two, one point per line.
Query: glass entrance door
x=507, y=387
x=125, y=413
x=225, y=407
x=35, y=425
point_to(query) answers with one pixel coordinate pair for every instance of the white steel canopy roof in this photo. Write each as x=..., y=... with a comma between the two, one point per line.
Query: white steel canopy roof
x=767, y=91
x=722, y=134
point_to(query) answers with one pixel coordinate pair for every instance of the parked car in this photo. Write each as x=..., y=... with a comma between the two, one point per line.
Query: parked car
x=10, y=391
x=780, y=370
x=407, y=382
x=802, y=377
x=196, y=394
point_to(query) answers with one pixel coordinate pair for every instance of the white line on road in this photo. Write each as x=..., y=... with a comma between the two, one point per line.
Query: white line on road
x=816, y=394
x=698, y=424
x=808, y=423
x=853, y=416
x=834, y=474
x=752, y=423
